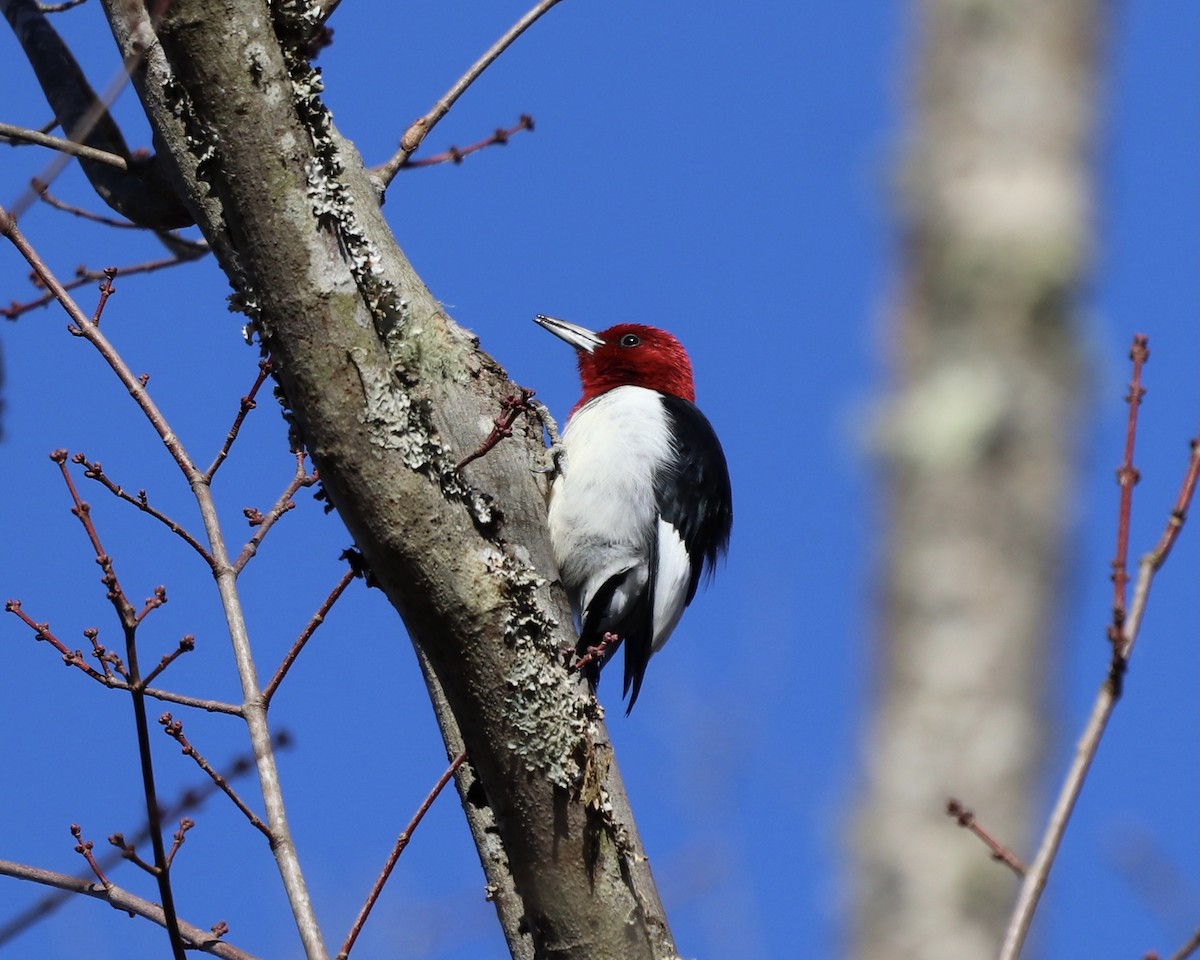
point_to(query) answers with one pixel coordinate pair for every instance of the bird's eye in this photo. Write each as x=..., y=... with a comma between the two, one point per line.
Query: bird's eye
x=630, y=340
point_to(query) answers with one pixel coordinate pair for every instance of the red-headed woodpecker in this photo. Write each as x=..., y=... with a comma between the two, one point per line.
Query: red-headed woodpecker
x=643, y=506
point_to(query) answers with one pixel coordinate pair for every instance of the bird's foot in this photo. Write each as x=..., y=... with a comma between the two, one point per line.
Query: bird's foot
x=595, y=654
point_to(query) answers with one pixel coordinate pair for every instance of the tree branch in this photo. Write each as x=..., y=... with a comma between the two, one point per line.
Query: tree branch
x=126, y=902
x=421, y=126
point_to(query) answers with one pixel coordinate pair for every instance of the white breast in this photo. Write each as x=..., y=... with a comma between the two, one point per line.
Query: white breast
x=603, y=514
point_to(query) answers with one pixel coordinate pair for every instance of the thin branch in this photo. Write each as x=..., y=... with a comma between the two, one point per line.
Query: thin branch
x=456, y=154
x=1189, y=948
x=74, y=658
x=420, y=128
x=84, y=276
x=186, y=645
x=511, y=407
x=253, y=710
x=264, y=522
x=309, y=629
x=966, y=819
x=25, y=135
x=1089, y=742
x=41, y=631
x=401, y=843
x=95, y=471
x=174, y=729
x=185, y=824
x=44, y=194
x=189, y=800
x=84, y=849
x=1127, y=478
x=247, y=404
x=126, y=902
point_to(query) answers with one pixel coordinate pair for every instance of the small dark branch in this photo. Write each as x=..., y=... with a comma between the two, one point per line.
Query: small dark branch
x=966, y=819
x=106, y=290
x=1188, y=949
x=84, y=276
x=456, y=154
x=44, y=194
x=174, y=730
x=512, y=406
x=188, y=801
x=129, y=852
x=264, y=522
x=248, y=403
x=1127, y=478
x=109, y=661
x=420, y=128
x=152, y=603
x=401, y=843
x=82, y=510
x=122, y=900
x=84, y=849
x=24, y=135
x=1102, y=708
x=95, y=471
x=309, y=629
x=186, y=645
x=60, y=7
x=1158, y=556
x=41, y=631
x=199, y=703
x=185, y=824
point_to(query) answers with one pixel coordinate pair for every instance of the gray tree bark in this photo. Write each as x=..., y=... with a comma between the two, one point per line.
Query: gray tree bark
x=976, y=445
x=388, y=395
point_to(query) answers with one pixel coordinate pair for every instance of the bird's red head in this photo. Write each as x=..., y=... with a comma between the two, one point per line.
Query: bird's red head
x=628, y=354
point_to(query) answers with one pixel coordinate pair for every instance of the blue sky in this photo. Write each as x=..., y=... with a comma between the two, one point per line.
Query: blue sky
x=724, y=176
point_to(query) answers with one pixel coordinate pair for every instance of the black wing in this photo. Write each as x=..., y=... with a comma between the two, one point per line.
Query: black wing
x=694, y=494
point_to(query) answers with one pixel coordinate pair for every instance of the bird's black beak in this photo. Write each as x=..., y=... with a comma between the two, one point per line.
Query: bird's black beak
x=579, y=337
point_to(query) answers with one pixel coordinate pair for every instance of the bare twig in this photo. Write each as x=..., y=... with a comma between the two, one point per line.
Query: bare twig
x=401, y=843
x=247, y=404
x=174, y=729
x=512, y=406
x=84, y=276
x=189, y=800
x=95, y=471
x=264, y=521
x=44, y=194
x=456, y=154
x=1106, y=700
x=1127, y=478
x=126, y=902
x=74, y=658
x=129, y=852
x=309, y=629
x=420, y=128
x=966, y=819
x=25, y=135
x=84, y=849
x=185, y=824
x=41, y=631
x=253, y=710
x=186, y=645
x=1188, y=949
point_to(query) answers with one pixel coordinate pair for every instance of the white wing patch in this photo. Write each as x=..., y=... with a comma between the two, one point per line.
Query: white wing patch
x=671, y=587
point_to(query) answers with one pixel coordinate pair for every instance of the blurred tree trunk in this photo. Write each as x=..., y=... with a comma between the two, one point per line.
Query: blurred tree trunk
x=977, y=445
